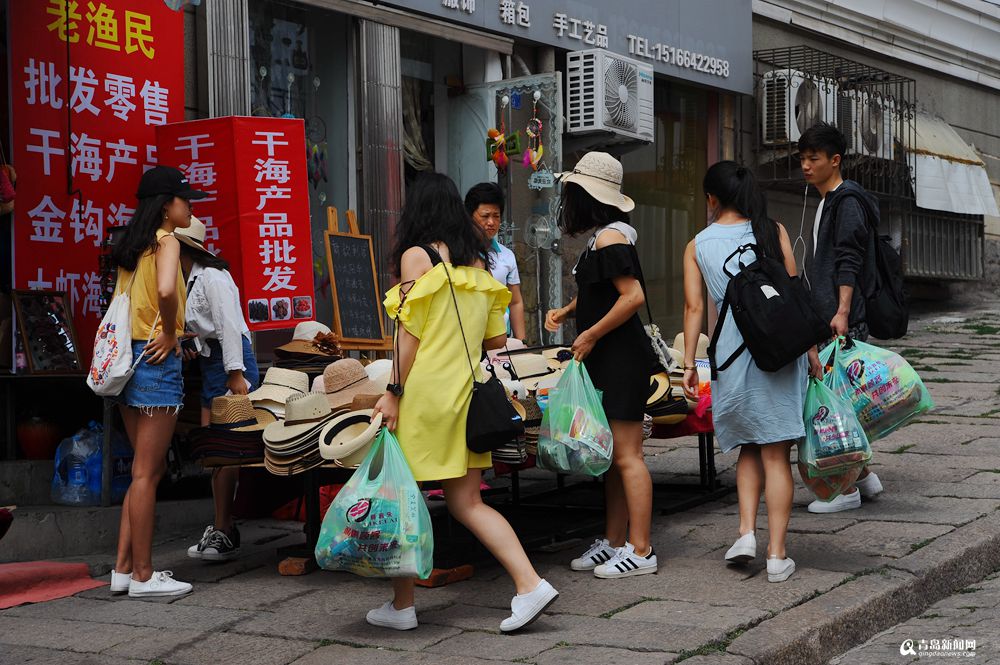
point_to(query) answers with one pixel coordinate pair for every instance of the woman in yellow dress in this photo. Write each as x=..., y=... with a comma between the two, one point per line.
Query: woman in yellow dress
x=440, y=258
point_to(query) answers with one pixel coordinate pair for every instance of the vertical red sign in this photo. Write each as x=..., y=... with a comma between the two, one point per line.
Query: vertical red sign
x=257, y=211
x=89, y=82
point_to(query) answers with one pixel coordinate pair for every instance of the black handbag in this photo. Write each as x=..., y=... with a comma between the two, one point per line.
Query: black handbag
x=492, y=421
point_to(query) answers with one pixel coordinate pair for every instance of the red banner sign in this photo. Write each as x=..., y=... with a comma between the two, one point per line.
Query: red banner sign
x=89, y=83
x=257, y=212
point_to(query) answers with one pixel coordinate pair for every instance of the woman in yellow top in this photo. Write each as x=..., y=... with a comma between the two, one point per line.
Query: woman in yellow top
x=148, y=260
x=427, y=403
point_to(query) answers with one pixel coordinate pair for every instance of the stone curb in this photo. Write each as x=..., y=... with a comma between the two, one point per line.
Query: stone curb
x=833, y=623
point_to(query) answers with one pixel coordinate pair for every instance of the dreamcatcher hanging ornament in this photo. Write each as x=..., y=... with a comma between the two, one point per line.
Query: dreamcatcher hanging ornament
x=533, y=153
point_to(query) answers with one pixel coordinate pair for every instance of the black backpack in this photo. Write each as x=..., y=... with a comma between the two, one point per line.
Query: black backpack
x=886, y=311
x=773, y=311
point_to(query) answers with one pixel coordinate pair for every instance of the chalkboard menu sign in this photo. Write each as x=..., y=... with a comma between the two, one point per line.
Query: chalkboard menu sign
x=46, y=327
x=357, y=304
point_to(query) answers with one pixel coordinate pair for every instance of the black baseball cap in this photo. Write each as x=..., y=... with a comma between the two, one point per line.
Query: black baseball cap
x=167, y=180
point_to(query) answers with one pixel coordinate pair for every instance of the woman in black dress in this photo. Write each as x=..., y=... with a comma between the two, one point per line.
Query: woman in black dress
x=613, y=346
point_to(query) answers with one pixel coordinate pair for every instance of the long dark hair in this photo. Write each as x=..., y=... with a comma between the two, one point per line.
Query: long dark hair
x=736, y=188
x=581, y=212
x=434, y=212
x=204, y=259
x=140, y=234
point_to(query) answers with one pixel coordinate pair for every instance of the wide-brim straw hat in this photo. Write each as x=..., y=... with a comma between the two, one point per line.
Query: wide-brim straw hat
x=659, y=388
x=194, y=236
x=304, y=415
x=344, y=380
x=558, y=357
x=669, y=412
x=235, y=413
x=701, y=351
x=302, y=340
x=347, y=438
x=528, y=368
x=281, y=384
x=600, y=174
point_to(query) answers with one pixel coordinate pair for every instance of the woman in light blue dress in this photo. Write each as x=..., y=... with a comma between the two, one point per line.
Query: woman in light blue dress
x=756, y=411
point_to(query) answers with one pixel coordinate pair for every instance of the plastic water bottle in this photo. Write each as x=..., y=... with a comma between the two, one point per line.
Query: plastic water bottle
x=76, y=491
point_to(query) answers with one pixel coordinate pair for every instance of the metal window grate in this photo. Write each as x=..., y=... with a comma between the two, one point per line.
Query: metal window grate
x=942, y=245
x=798, y=86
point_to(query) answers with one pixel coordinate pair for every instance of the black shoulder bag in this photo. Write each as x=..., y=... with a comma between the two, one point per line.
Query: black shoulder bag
x=492, y=421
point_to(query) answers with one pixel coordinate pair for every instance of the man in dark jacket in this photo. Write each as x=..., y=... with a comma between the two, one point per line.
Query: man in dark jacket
x=842, y=257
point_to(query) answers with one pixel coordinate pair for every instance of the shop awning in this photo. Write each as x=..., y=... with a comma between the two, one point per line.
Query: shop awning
x=950, y=174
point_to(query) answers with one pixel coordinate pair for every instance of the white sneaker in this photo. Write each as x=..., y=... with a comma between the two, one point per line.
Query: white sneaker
x=869, y=486
x=160, y=584
x=526, y=608
x=195, y=550
x=841, y=503
x=626, y=563
x=388, y=616
x=119, y=582
x=600, y=552
x=743, y=550
x=779, y=570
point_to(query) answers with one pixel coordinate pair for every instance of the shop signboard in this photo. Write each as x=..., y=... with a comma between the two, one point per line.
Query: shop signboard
x=257, y=210
x=704, y=41
x=89, y=82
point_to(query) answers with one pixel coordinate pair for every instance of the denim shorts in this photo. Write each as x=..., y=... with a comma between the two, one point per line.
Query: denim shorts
x=214, y=374
x=154, y=386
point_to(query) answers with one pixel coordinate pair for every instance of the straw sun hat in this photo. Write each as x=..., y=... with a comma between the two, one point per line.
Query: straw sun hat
x=193, y=236
x=344, y=380
x=600, y=175
x=347, y=438
x=237, y=414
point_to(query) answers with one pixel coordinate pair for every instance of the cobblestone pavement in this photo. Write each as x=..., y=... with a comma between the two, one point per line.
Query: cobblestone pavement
x=963, y=628
x=934, y=531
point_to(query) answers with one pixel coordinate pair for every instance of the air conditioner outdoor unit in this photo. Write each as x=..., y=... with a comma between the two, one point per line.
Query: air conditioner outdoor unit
x=791, y=102
x=606, y=92
x=867, y=121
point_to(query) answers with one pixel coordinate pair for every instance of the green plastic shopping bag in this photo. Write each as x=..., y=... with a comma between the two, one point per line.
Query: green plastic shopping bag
x=835, y=442
x=379, y=526
x=575, y=436
x=885, y=390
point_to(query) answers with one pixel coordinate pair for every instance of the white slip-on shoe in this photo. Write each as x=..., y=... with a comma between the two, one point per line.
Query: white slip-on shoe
x=388, y=616
x=841, y=503
x=598, y=553
x=627, y=563
x=160, y=584
x=526, y=608
x=743, y=550
x=119, y=582
x=779, y=570
x=869, y=486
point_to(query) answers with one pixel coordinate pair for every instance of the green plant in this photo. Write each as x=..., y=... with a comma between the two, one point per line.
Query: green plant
x=902, y=449
x=923, y=543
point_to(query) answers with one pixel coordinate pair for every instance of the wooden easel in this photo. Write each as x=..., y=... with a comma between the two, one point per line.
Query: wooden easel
x=372, y=349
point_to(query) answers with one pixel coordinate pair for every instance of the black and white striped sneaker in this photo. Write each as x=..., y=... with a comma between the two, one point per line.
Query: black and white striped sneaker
x=600, y=552
x=626, y=563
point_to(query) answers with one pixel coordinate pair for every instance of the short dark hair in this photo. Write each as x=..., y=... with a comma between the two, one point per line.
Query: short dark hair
x=488, y=193
x=823, y=137
x=581, y=212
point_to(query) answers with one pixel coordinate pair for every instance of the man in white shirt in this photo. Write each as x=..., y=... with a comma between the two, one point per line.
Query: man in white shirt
x=485, y=203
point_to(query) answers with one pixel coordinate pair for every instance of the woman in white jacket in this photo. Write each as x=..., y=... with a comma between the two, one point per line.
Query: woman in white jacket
x=215, y=319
